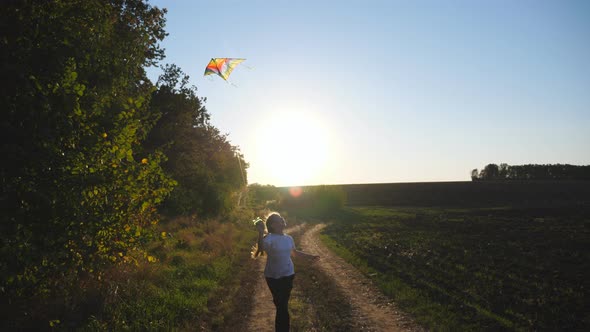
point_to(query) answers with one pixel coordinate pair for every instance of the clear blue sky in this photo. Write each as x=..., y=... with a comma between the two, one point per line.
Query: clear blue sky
x=390, y=91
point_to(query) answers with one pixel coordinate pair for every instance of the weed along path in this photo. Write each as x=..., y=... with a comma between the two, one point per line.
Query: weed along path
x=369, y=309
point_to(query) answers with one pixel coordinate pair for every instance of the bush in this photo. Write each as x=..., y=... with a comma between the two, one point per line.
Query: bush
x=314, y=201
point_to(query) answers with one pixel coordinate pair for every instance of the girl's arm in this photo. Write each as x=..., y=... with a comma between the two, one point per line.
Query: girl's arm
x=260, y=228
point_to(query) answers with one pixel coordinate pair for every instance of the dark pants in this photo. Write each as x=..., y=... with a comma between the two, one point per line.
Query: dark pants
x=281, y=291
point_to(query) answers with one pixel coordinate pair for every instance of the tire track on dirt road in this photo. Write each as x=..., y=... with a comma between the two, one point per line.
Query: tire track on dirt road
x=372, y=311
x=261, y=317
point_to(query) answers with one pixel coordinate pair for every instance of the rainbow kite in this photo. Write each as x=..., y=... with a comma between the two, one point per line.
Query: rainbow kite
x=222, y=66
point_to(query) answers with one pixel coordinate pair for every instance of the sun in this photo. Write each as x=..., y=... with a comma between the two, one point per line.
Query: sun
x=294, y=149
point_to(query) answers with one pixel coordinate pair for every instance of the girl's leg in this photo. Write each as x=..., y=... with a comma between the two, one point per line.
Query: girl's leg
x=281, y=292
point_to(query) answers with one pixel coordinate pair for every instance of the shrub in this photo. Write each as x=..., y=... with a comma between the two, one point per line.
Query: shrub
x=314, y=201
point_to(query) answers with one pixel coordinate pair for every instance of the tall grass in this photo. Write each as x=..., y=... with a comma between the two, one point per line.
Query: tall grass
x=195, y=267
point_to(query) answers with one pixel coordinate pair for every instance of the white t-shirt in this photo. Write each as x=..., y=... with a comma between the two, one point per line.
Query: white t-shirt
x=278, y=249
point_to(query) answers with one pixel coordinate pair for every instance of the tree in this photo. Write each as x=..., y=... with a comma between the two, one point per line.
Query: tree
x=209, y=170
x=490, y=172
x=77, y=195
x=474, y=174
x=314, y=201
x=261, y=195
x=503, y=171
x=532, y=172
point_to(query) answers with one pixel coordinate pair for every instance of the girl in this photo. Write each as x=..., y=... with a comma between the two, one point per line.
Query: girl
x=279, y=271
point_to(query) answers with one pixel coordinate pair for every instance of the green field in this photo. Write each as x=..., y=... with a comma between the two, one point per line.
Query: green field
x=477, y=268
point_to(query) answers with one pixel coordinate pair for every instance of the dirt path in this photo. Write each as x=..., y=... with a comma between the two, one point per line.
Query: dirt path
x=260, y=319
x=372, y=311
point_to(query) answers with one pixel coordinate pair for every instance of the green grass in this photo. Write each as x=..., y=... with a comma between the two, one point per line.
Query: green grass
x=197, y=273
x=474, y=269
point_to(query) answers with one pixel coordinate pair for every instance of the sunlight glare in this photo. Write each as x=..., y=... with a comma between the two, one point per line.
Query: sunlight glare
x=294, y=148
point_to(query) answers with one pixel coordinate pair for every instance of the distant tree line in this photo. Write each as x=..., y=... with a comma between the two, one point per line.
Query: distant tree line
x=313, y=200
x=531, y=172
x=263, y=196
x=302, y=201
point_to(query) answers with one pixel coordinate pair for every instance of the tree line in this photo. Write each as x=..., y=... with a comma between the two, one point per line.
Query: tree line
x=93, y=151
x=310, y=201
x=531, y=172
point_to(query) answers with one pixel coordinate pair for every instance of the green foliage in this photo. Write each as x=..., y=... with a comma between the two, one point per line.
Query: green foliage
x=195, y=266
x=78, y=194
x=327, y=199
x=209, y=170
x=532, y=172
x=80, y=183
x=314, y=201
x=263, y=195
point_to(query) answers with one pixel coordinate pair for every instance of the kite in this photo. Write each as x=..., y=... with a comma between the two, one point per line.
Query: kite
x=222, y=66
